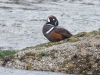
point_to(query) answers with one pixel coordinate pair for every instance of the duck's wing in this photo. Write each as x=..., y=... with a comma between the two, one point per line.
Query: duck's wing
x=63, y=32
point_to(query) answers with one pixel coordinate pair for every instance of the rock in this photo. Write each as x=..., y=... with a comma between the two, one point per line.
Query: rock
x=82, y=55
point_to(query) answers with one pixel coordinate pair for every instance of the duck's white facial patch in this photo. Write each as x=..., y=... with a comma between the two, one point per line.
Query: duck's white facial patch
x=53, y=19
x=48, y=20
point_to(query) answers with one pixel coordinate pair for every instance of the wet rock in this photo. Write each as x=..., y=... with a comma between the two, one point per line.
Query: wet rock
x=82, y=56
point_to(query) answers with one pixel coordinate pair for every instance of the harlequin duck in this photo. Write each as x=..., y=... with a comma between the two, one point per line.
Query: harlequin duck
x=53, y=32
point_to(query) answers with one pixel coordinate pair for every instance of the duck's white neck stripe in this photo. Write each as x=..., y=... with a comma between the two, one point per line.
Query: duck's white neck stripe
x=49, y=30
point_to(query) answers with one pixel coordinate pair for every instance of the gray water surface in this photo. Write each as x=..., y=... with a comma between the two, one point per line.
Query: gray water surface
x=9, y=71
x=21, y=21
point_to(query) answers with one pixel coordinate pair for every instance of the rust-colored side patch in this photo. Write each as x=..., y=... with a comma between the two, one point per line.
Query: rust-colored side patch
x=57, y=36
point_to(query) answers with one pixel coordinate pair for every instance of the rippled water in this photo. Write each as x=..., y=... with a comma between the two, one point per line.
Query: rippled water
x=21, y=21
x=9, y=71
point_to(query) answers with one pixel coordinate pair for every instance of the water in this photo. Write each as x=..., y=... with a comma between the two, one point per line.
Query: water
x=8, y=71
x=21, y=21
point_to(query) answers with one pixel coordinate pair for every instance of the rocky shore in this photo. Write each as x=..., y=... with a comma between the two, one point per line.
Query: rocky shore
x=78, y=54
